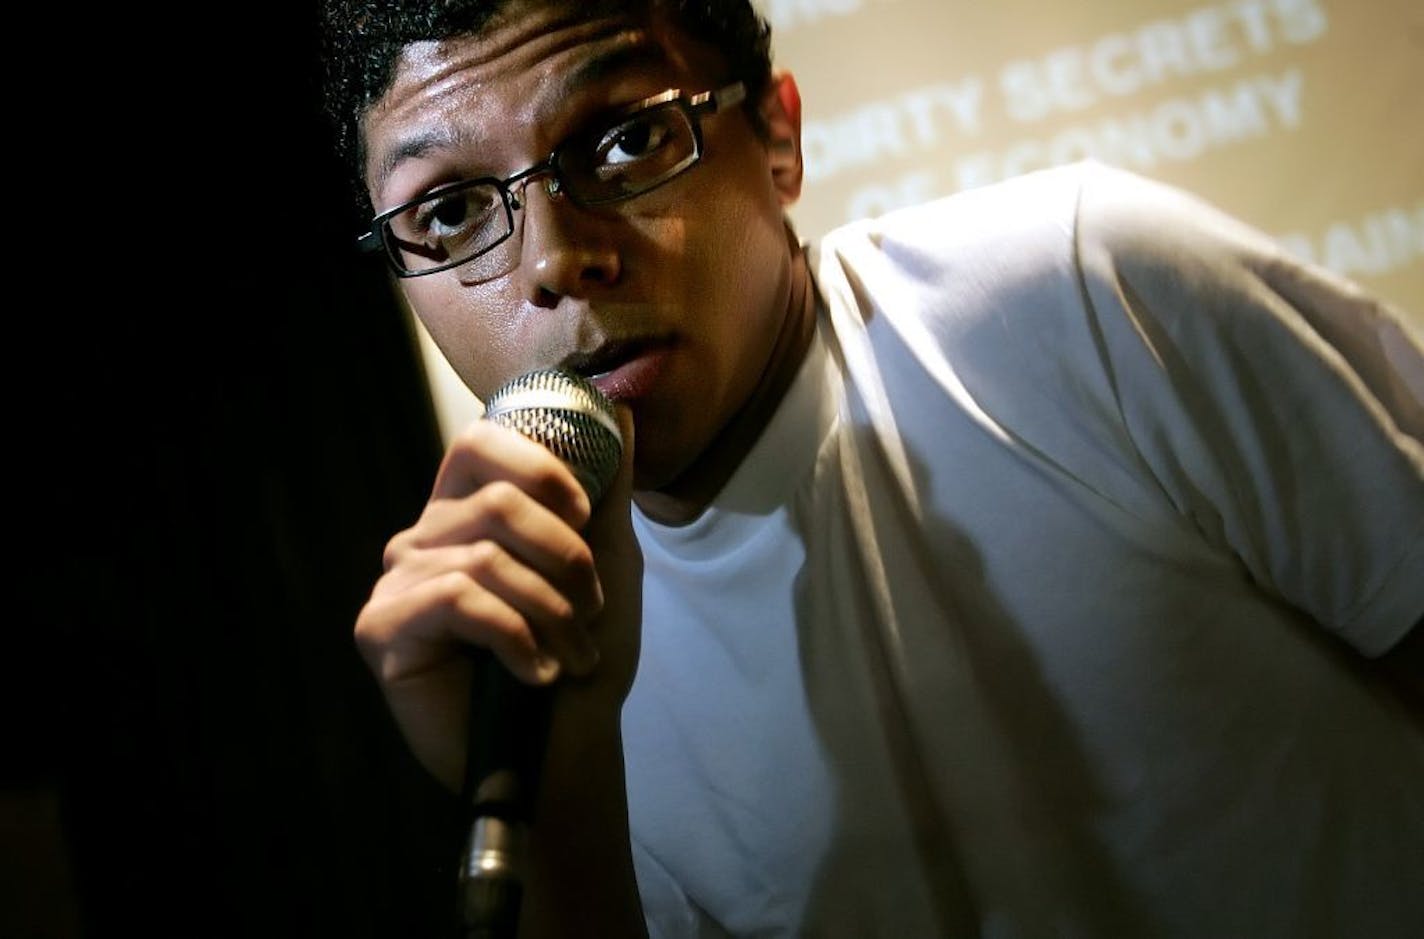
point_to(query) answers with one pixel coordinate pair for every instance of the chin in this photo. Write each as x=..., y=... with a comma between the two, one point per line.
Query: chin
x=658, y=469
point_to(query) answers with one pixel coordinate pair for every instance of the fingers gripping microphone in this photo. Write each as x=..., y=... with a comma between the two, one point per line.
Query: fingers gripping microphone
x=570, y=417
x=508, y=719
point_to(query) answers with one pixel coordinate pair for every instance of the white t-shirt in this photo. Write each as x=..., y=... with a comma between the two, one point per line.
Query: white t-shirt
x=1043, y=605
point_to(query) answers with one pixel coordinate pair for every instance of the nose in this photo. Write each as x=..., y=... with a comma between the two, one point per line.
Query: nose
x=567, y=250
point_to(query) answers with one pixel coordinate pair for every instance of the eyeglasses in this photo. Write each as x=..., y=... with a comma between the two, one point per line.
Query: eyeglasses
x=632, y=152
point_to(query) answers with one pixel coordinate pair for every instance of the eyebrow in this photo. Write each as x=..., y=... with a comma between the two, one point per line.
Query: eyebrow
x=444, y=137
x=635, y=53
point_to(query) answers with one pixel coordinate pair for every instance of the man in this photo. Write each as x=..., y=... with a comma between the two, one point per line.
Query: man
x=1008, y=566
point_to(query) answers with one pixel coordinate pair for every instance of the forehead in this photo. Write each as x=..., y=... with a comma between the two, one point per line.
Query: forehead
x=528, y=69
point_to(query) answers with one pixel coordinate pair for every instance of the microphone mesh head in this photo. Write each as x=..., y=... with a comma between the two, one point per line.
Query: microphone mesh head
x=570, y=417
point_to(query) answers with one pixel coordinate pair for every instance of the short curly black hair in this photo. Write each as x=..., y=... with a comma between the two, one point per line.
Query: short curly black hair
x=361, y=39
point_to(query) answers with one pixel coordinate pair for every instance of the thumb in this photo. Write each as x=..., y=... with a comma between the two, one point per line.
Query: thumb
x=612, y=514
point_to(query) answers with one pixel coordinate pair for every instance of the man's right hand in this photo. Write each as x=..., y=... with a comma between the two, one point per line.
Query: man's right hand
x=508, y=556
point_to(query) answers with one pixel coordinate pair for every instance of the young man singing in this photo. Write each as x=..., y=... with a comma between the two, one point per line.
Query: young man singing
x=1029, y=563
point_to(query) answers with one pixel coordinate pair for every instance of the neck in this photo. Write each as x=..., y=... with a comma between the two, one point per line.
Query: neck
x=684, y=498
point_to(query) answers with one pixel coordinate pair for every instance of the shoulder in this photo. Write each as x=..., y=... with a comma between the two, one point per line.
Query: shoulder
x=961, y=260
x=1038, y=232
x=1015, y=225
x=1153, y=238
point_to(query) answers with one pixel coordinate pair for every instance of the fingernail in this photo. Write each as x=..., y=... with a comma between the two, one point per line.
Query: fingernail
x=546, y=668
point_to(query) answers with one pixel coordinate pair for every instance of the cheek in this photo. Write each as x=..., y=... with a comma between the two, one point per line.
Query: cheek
x=723, y=233
x=742, y=239
x=479, y=346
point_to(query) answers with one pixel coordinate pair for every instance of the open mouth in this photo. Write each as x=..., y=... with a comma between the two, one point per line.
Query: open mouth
x=624, y=369
x=607, y=358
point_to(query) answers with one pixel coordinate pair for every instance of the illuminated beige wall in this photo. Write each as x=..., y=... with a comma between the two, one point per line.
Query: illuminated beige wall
x=1303, y=117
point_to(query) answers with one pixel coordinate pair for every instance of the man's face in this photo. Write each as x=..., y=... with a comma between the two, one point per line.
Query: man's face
x=673, y=299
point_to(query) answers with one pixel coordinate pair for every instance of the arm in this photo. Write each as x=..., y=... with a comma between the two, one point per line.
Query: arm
x=580, y=860
x=581, y=878
x=497, y=561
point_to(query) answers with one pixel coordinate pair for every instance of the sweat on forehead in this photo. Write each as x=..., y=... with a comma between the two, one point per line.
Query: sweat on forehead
x=570, y=50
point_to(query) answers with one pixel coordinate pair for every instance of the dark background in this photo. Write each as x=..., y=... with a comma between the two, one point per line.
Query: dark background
x=218, y=418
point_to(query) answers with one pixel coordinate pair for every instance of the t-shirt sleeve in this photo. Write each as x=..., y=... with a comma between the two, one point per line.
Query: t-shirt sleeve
x=1278, y=406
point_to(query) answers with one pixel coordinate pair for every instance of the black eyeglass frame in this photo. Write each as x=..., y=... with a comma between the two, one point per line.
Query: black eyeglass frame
x=693, y=107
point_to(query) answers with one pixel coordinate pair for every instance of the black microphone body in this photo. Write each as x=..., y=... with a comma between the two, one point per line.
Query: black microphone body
x=509, y=719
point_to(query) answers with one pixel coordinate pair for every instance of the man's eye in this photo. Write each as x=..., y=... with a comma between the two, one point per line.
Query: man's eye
x=456, y=213
x=631, y=141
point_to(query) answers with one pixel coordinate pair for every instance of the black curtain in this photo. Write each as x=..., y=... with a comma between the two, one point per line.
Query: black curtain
x=221, y=421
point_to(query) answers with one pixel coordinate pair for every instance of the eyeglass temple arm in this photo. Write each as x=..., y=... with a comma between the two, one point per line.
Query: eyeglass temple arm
x=719, y=99
x=370, y=242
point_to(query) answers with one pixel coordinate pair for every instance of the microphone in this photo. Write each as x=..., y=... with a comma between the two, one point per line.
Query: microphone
x=509, y=719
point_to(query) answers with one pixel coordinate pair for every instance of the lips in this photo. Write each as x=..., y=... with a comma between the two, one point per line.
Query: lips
x=624, y=369
x=605, y=358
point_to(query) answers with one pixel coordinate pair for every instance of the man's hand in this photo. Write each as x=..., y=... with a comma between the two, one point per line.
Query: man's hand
x=497, y=560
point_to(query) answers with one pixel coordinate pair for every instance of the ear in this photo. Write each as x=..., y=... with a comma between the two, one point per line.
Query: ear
x=781, y=111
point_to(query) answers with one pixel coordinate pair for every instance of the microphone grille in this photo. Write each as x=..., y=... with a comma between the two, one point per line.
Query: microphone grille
x=570, y=417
